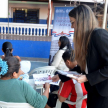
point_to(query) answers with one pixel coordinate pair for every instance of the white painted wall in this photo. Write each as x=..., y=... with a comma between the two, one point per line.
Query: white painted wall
x=3, y=8
x=43, y=9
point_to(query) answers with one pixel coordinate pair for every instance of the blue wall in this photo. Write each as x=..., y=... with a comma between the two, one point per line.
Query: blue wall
x=41, y=21
x=24, y=48
x=6, y=19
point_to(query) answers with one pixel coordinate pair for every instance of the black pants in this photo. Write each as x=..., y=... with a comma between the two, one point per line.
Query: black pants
x=53, y=99
x=94, y=100
x=54, y=87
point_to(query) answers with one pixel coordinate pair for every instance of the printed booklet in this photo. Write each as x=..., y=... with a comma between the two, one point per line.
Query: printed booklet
x=69, y=73
x=43, y=78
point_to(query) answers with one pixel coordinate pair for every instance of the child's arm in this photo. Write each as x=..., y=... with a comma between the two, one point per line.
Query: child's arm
x=64, y=90
x=61, y=98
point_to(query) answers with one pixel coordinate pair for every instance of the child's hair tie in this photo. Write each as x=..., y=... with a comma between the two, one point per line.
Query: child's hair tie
x=4, y=67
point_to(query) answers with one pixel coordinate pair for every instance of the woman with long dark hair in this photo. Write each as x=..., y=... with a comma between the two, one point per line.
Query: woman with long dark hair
x=7, y=49
x=58, y=62
x=91, y=53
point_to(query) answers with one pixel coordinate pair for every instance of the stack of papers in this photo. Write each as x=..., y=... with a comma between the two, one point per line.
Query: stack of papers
x=43, y=78
x=69, y=73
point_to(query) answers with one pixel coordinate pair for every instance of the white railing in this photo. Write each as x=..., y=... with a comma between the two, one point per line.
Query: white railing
x=24, y=29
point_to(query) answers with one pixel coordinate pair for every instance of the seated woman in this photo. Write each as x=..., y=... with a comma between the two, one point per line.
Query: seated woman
x=58, y=62
x=14, y=90
x=7, y=50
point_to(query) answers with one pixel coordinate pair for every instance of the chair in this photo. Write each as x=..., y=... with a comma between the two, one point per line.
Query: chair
x=14, y=105
x=58, y=104
x=25, y=67
x=41, y=70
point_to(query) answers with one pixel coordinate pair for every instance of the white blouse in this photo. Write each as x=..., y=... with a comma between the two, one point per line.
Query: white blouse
x=58, y=61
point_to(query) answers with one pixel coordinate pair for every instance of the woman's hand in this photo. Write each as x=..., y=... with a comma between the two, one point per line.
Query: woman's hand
x=46, y=92
x=55, y=78
x=47, y=86
x=81, y=79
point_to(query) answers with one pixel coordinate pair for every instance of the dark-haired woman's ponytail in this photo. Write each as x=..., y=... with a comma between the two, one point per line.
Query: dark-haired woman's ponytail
x=8, y=53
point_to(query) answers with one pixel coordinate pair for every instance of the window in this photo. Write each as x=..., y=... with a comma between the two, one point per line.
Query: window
x=26, y=15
